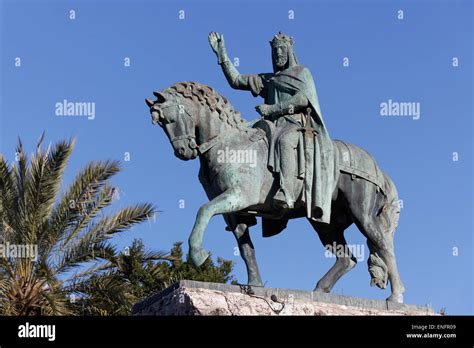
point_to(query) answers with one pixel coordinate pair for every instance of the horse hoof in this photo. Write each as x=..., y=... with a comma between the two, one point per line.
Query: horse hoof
x=321, y=290
x=198, y=257
x=322, y=287
x=395, y=298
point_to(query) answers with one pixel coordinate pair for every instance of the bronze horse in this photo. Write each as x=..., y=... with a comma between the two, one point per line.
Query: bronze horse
x=199, y=122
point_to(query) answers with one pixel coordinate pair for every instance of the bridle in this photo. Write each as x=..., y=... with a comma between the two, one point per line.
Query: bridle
x=189, y=134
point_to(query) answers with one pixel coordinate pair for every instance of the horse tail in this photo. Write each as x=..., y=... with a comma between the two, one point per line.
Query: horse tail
x=378, y=269
x=388, y=216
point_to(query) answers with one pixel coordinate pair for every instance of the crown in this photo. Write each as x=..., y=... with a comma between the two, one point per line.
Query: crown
x=281, y=38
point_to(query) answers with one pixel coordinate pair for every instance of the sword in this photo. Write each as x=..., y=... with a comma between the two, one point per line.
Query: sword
x=308, y=137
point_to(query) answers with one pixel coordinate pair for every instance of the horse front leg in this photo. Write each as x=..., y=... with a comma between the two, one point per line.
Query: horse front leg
x=247, y=251
x=229, y=201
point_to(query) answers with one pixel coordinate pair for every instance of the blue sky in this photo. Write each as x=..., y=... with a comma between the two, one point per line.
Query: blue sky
x=408, y=60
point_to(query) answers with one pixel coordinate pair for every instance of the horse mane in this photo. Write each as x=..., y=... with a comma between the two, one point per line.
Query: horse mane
x=207, y=96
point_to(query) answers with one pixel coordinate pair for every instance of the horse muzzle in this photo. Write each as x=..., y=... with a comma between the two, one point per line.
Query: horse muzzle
x=186, y=154
x=185, y=150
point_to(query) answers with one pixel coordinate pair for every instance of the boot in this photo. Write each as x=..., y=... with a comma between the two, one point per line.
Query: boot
x=280, y=201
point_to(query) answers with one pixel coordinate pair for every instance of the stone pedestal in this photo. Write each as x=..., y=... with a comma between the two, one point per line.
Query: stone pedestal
x=200, y=298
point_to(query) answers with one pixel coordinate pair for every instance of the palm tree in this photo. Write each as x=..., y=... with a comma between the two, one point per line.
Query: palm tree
x=136, y=273
x=127, y=278
x=69, y=230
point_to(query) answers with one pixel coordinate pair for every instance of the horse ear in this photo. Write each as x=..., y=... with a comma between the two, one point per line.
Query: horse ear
x=159, y=96
x=149, y=102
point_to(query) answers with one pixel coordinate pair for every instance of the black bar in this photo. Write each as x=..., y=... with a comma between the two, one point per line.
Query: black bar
x=223, y=330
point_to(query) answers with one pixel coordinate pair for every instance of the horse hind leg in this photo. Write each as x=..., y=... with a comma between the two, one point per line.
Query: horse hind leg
x=333, y=240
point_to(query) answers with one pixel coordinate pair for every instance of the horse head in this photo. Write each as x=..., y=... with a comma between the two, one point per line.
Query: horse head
x=172, y=113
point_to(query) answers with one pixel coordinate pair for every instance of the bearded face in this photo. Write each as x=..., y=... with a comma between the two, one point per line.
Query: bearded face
x=280, y=55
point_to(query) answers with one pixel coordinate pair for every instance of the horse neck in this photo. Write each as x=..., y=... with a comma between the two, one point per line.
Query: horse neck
x=210, y=126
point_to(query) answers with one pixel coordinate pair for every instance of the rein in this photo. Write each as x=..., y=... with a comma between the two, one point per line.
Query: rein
x=204, y=147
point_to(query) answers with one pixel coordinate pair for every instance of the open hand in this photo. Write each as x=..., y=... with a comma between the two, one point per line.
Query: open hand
x=216, y=41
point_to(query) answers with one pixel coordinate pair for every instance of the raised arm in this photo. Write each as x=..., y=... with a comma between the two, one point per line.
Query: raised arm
x=236, y=80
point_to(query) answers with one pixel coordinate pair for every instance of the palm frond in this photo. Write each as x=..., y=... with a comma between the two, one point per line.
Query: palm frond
x=72, y=237
x=42, y=185
x=71, y=214
x=9, y=197
x=80, y=251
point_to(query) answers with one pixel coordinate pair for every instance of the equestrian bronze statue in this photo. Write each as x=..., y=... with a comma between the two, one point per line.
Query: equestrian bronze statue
x=281, y=166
